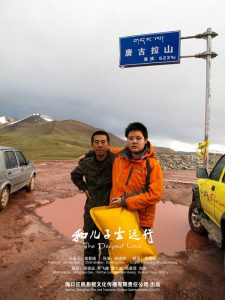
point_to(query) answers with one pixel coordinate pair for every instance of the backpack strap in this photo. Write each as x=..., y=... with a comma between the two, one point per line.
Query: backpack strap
x=148, y=167
x=144, y=190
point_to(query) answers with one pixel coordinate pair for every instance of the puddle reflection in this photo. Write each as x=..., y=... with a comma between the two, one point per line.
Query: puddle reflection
x=171, y=229
x=66, y=215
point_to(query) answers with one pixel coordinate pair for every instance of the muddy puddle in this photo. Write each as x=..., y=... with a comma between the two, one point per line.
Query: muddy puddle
x=66, y=214
x=171, y=229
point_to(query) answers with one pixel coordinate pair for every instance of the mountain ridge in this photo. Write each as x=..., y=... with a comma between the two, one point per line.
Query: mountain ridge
x=56, y=139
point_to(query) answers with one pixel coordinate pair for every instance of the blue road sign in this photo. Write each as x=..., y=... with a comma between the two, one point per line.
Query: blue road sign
x=150, y=49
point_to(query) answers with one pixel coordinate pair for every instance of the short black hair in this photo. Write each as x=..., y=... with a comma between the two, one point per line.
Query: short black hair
x=136, y=126
x=100, y=132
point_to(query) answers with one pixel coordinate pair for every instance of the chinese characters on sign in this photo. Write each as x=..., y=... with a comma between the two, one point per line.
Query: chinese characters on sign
x=132, y=235
x=150, y=49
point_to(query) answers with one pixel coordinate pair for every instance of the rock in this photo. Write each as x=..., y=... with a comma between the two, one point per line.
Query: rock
x=43, y=202
x=7, y=236
x=169, y=187
x=185, y=161
x=19, y=242
x=30, y=205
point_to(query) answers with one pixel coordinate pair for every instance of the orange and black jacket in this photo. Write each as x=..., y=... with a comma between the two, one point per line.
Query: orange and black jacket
x=139, y=182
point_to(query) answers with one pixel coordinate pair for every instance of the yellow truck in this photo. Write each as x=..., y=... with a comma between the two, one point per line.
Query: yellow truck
x=207, y=210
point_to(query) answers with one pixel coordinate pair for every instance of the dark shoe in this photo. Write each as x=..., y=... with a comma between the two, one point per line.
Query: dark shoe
x=128, y=296
x=97, y=297
x=83, y=278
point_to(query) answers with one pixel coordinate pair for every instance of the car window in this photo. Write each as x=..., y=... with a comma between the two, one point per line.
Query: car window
x=223, y=180
x=216, y=172
x=21, y=158
x=10, y=160
x=7, y=161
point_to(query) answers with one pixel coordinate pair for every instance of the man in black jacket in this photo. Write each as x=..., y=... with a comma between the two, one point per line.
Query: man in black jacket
x=97, y=172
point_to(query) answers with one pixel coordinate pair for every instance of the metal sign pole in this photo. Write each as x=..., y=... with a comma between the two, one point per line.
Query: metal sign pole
x=164, y=48
x=208, y=55
x=208, y=94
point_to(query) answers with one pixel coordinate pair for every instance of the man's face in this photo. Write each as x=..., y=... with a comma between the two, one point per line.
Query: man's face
x=100, y=145
x=136, y=141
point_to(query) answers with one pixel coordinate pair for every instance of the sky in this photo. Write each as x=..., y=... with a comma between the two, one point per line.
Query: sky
x=61, y=58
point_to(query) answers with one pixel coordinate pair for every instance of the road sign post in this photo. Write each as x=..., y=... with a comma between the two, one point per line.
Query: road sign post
x=164, y=48
x=208, y=93
x=208, y=55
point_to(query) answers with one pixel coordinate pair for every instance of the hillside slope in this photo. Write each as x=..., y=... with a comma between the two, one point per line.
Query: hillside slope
x=52, y=140
x=42, y=140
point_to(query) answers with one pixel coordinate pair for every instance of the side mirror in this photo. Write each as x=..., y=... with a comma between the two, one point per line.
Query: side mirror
x=202, y=173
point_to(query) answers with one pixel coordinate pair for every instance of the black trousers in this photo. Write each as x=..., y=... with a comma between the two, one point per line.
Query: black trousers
x=133, y=273
x=96, y=261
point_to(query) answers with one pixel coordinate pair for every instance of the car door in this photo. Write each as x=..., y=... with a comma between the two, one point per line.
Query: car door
x=12, y=170
x=207, y=195
x=25, y=169
x=220, y=198
x=210, y=191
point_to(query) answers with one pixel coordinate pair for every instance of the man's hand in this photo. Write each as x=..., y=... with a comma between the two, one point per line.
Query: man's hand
x=116, y=202
x=87, y=194
x=80, y=158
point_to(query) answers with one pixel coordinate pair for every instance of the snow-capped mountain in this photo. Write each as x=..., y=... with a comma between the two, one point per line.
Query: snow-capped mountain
x=7, y=120
x=34, y=119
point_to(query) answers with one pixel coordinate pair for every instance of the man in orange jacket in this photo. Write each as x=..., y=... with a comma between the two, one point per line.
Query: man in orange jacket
x=137, y=184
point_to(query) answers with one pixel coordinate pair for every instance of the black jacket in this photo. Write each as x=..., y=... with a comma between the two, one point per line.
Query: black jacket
x=96, y=177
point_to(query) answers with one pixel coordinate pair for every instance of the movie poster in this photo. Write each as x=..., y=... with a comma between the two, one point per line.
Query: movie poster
x=66, y=73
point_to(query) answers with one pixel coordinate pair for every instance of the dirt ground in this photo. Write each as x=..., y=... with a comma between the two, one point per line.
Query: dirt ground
x=35, y=259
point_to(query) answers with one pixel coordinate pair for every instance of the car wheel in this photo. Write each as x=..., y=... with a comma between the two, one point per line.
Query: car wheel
x=194, y=217
x=4, y=197
x=31, y=184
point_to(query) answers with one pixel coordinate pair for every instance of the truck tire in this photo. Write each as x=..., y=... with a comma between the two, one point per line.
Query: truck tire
x=194, y=216
x=224, y=264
